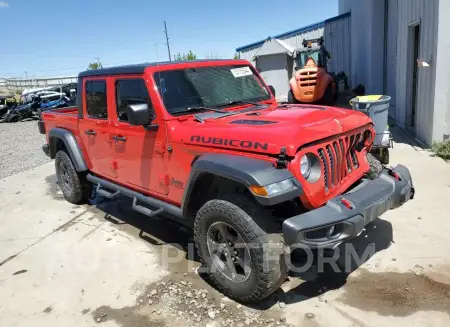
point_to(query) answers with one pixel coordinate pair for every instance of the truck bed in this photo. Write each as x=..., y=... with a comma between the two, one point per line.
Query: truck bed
x=66, y=118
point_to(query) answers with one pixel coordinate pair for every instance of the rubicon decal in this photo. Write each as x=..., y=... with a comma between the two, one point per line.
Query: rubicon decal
x=230, y=142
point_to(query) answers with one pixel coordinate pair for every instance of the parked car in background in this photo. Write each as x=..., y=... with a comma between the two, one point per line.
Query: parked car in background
x=6, y=103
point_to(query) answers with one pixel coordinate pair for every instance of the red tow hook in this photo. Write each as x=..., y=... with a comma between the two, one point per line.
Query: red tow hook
x=347, y=203
x=395, y=175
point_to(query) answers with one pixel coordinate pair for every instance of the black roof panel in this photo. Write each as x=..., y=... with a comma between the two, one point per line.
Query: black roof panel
x=138, y=68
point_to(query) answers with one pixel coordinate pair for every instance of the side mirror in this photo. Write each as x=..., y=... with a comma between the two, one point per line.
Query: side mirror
x=272, y=89
x=139, y=114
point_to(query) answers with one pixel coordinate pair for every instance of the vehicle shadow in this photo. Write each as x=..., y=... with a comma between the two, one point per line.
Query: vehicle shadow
x=329, y=270
x=324, y=271
x=156, y=231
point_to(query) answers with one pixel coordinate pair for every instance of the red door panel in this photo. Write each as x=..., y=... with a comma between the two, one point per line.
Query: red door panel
x=96, y=137
x=139, y=152
x=95, y=127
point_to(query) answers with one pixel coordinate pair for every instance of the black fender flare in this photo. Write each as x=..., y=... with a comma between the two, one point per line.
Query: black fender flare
x=71, y=144
x=244, y=170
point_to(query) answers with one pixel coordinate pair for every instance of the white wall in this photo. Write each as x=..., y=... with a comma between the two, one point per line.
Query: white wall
x=344, y=6
x=338, y=42
x=441, y=119
x=410, y=12
x=367, y=42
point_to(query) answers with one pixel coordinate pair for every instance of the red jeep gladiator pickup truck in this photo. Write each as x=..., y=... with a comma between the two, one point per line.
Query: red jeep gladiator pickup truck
x=206, y=144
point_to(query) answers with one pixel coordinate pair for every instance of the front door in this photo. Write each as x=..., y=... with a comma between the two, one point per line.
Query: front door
x=95, y=129
x=139, y=152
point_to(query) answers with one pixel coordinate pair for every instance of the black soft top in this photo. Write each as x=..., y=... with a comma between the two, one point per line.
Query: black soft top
x=137, y=69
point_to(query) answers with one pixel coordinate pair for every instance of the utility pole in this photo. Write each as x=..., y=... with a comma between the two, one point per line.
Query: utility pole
x=167, y=40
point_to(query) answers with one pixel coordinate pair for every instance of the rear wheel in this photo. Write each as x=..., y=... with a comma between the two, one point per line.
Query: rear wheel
x=235, y=241
x=74, y=186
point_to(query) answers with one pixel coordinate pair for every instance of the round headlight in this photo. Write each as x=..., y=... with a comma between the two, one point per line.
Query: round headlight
x=305, y=166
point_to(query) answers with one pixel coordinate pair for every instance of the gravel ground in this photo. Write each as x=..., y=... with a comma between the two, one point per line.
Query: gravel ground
x=20, y=148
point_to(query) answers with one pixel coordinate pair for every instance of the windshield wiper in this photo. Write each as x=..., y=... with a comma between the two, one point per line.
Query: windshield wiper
x=238, y=102
x=200, y=108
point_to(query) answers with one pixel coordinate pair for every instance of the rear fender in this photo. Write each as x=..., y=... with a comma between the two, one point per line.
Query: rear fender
x=56, y=135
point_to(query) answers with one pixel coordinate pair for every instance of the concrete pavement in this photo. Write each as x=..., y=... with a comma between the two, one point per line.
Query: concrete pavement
x=66, y=265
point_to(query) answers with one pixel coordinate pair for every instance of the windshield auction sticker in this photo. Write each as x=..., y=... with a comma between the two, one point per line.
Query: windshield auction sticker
x=241, y=71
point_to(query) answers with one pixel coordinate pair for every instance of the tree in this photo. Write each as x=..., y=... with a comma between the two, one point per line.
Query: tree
x=236, y=56
x=95, y=65
x=185, y=56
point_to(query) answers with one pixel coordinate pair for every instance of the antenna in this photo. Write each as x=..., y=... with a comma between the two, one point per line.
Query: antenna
x=167, y=40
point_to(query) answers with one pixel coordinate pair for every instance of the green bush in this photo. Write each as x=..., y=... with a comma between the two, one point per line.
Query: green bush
x=442, y=149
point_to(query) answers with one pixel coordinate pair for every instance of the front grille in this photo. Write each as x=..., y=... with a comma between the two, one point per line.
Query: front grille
x=325, y=168
x=338, y=160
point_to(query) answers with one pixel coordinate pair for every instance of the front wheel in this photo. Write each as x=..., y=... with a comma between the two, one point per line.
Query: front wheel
x=243, y=259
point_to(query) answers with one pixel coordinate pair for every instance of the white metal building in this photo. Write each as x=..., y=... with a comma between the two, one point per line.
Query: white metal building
x=402, y=48
x=275, y=57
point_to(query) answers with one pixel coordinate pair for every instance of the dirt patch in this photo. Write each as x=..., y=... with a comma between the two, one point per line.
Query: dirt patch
x=48, y=310
x=84, y=311
x=184, y=303
x=396, y=294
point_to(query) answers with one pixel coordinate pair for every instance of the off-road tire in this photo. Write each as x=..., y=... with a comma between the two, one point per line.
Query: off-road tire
x=80, y=188
x=375, y=167
x=291, y=99
x=256, y=226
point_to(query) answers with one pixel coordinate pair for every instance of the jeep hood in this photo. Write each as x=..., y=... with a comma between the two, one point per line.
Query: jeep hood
x=268, y=130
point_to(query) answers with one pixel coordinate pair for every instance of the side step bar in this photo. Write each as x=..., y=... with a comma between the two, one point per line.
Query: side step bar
x=163, y=207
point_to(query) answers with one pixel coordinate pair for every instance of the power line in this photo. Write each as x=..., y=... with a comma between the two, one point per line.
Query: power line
x=167, y=40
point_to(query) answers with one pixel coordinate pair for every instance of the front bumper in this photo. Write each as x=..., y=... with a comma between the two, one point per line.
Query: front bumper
x=335, y=222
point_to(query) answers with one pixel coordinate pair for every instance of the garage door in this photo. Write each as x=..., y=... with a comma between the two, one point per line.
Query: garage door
x=273, y=69
x=391, y=55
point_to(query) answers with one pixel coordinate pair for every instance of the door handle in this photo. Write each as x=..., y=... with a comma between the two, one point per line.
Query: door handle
x=118, y=138
x=90, y=132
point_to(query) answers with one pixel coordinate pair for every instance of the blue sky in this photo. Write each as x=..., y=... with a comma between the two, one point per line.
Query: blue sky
x=61, y=37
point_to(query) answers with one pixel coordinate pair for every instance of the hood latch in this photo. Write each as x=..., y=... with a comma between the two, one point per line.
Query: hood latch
x=281, y=161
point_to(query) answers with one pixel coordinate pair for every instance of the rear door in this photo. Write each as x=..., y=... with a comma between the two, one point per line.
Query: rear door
x=140, y=152
x=95, y=129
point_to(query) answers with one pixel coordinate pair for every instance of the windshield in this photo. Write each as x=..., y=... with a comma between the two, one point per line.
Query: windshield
x=303, y=57
x=212, y=86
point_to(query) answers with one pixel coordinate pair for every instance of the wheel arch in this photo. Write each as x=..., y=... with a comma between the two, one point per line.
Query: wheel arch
x=215, y=173
x=60, y=139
